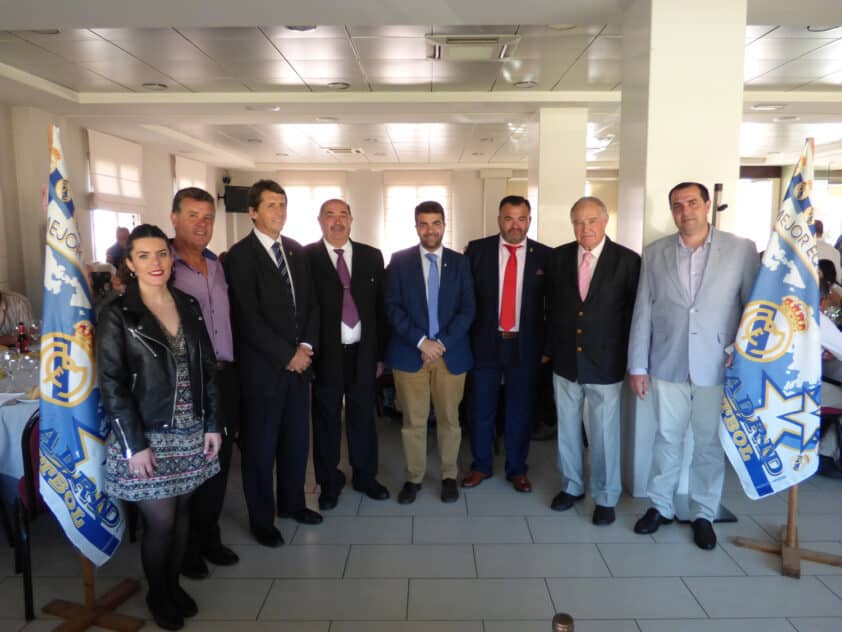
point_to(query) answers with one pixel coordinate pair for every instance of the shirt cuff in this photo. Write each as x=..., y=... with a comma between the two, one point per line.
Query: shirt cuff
x=637, y=372
x=306, y=344
x=423, y=338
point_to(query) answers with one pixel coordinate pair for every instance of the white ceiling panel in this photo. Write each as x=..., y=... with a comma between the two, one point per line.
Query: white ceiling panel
x=202, y=35
x=400, y=71
x=89, y=50
x=758, y=31
x=63, y=34
x=288, y=84
x=804, y=31
x=800, y=71
x=18, y=52
x=391, y=48
x=516, y=71
x=591, y=74
x=213, y=84
x=561, y=30
x=471, y=29
x=416, y=30
x=830, y=52
x=256, y=48
x=606, y=48
x=205, y=69
x=562, y=49
x=277, y=71
x=783, y=48
x=402, y=84
x=753, y=68
x=314, y=49
x=317, y=33
x=162, y=47
x=329, y=70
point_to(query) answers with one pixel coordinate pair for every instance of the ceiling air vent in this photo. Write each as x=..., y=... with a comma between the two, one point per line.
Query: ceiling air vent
x=343, y=151
x=471, y=47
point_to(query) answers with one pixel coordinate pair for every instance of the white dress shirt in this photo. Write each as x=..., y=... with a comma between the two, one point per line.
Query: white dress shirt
x=349, y=335
x=502, y=260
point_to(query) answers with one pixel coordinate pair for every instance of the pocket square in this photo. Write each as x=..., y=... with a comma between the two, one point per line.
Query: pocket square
x=539, y=272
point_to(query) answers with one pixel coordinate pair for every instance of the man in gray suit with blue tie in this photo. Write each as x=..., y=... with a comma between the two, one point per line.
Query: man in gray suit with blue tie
x=693, y=286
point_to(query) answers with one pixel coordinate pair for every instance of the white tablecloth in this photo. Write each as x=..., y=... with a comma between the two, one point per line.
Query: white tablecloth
x=13, y=418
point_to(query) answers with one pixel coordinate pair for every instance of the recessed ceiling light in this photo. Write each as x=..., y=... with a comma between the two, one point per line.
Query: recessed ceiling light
x=256, y=141
x=154, y=85
x=486, y=139
x=281, y=154
x=477, y=153
x=821, y=29
x=263, y=108
x=767, y=107
x=371, y=139
x=46, y=31
x=525, y=84
x=326, y=119
x=339, y=85
x=301, y=28
x=379, y=153
x=561, y=27
x=788, y=118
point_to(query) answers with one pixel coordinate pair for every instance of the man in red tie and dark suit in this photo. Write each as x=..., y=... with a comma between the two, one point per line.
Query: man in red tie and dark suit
x=507, y=337
x=591, y=287
x=348, y=281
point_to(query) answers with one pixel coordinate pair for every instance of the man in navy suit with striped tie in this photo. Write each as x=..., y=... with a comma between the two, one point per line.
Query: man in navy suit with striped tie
x=430, y=306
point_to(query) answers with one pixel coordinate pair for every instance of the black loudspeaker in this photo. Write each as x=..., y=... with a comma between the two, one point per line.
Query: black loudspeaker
x=236, y=199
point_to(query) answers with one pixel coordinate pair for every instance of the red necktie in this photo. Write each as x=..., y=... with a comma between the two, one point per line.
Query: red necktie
x=507, y=305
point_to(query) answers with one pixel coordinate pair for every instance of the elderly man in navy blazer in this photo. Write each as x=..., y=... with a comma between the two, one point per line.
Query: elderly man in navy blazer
x=693, y=287
x=507, y=338
x=591, y=288
x=430, y=306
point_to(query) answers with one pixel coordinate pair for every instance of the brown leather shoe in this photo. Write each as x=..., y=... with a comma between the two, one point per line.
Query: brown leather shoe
x=520, y=483
x=474, y=478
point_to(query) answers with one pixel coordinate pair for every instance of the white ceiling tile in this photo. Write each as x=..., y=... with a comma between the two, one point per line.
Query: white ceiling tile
x=552, y=49
x=472, y=29
x=248, y=50
x=63, y=34
x=754, y=32
x=391, y=48
x=279, y=85
x=269, y=71
x=214, y=84
x=606, y=48
x=18, y=52
x=830, y=52
x=329, y=70
x=317, y=33
x=315, y=49
x=515, y=71
x=164, y=47
x=783, y=48
x=565, y=31
x=753, y=68
x=192, y=71
x=801, y=70
x=591, y=74
x=221, y=33
x=322, y=84
x=418, y=30
x=801, y=31
x=407, y=71
x=401, y=85
x=84, y=50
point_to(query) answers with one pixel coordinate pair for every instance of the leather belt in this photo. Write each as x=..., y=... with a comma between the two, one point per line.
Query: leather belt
x=507, y=335
x=221, y=364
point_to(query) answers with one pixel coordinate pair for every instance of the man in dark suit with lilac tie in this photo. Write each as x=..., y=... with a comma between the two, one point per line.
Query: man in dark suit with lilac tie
x=507, y=338
x=348, y=281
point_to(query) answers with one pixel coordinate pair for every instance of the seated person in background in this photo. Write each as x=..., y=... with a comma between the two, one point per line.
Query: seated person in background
x=829, y=448
x=14, y=309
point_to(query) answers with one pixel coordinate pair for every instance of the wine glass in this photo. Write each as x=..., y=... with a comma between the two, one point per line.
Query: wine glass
x=9, y=363
x=35, y=333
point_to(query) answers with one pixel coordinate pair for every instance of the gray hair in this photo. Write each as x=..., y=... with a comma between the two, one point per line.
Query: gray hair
x=588, y=199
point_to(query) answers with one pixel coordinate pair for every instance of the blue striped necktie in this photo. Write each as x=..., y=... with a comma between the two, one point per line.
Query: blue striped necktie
x=282, y=268
x=433, y=296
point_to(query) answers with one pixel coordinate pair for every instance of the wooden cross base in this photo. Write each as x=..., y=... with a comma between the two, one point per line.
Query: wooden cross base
x=96, y=611
x=787, y=548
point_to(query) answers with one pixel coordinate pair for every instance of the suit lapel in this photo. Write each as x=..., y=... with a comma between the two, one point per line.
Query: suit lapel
x=529, y=269
x=710, y=271
x=603, y=265
x=671, y=262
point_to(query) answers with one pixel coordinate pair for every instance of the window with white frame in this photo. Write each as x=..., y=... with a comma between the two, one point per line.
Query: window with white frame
x=403, y=191
x=190, y=173
x=116, y=197
x=303, y=203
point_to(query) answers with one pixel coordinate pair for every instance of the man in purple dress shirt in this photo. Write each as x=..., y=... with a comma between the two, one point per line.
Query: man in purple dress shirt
x=198, y=272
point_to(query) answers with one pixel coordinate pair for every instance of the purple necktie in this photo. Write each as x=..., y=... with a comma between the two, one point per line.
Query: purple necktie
x=350, y=315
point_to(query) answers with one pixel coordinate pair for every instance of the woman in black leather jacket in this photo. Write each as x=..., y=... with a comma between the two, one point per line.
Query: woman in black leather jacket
x=156, y=377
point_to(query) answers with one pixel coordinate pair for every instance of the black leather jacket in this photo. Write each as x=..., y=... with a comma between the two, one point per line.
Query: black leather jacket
x=137, y=369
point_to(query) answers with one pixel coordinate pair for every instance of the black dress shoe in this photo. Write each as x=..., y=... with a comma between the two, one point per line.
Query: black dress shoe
x=373, y=490
x=449, y=490
x=328, y=500
x=408, y=493
x=221, y=556
x=603, y=515
x=564, y=501
x=270, y=537
x=195, y=567
x=164, y=612
x=703, y=534
x=307, y=516
x=185, y=604
x=650, y=522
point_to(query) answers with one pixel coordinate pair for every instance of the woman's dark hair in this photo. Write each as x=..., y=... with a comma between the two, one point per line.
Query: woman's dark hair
x=827, y=279
x=142, y=231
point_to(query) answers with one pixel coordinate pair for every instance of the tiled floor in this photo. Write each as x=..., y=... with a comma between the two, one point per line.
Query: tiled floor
x=495, y=561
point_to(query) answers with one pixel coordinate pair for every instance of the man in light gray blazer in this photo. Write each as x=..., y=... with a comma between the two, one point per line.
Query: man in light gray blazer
x=693, y=286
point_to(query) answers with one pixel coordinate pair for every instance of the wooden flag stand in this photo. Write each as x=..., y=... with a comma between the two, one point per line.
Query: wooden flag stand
x=788, y=549
x=98, y=612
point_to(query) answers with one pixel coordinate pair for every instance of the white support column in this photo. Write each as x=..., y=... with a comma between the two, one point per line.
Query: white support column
x=494, y=183
x=556, y=170
x=680, y=120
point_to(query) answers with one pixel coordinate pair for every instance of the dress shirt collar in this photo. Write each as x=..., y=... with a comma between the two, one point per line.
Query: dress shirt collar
x=595, y=251
x=266, y=240
x=706, y=242
x=346, y=249
x=438, y=252
x=504, y=243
